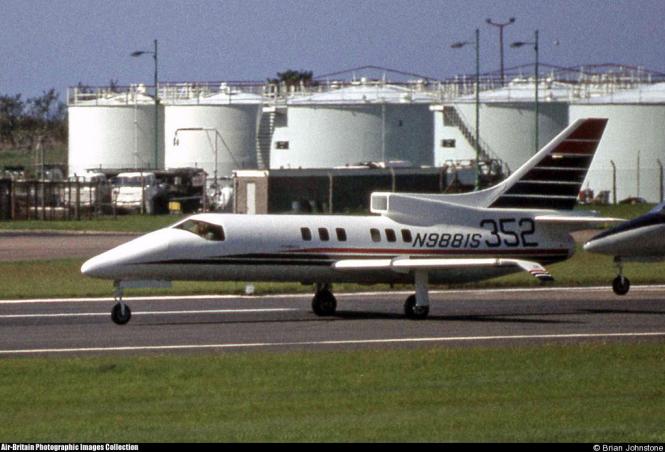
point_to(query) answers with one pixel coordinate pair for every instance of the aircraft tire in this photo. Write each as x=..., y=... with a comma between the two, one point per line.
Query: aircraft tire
x=324, y=303
x=117, y=316
x=415, y=312
x=621, y=285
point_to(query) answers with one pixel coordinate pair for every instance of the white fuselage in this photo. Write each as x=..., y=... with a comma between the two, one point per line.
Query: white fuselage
x=279, y=248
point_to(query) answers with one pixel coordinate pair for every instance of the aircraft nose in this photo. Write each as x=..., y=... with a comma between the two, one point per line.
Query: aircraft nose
x=601, y=245
x=590, y=246
x=119, y=262
x=93, y=267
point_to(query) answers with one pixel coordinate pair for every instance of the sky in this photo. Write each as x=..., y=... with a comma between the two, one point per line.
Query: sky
x=48, y=44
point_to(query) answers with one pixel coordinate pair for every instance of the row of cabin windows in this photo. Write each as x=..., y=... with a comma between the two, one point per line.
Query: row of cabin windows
x=391, y=236
x=374, y=233
x=324, y=235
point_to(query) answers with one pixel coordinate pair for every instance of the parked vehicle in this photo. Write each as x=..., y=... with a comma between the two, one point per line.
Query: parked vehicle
x=139, y=191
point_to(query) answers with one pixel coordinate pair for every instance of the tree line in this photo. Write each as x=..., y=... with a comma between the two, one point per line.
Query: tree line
x=27, y=123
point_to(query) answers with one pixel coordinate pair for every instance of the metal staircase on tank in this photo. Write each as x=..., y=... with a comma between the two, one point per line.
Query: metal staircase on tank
x=263, y=140
x=269, y=121
x=487, y=158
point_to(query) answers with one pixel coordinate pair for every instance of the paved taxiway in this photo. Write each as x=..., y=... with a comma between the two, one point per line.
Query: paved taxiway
x=30, y=245
x=191, y=324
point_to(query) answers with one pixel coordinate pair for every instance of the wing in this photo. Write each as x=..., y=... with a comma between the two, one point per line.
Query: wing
x=405, y=264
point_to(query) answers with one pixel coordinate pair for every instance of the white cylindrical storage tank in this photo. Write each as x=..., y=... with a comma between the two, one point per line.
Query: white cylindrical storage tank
x=507, y=123
x=355, y=124
x=634, y=141
x=220, y=128
x=114, y=130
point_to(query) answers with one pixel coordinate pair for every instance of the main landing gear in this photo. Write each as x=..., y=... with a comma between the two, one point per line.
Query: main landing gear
x=620, y=284
x=416, y=306
x=120, y=314
x=324, y=303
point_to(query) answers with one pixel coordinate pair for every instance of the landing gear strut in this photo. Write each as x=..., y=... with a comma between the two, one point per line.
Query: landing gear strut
x=324, y=303
x=621, y=284
x=417, y=306
x=120, y=314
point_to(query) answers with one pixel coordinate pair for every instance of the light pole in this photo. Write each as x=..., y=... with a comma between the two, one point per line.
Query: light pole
x=138, y=53
x=459, y=45
x=501, y=26
x=534, y=43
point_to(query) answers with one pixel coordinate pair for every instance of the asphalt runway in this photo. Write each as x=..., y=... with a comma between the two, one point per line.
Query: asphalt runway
x=371, y=320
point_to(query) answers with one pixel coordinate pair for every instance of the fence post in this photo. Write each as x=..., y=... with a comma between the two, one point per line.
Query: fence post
x=27, y=200
x=638, y=174
x=12, y=194
x=660, y=164
x=330, y=192
x=614, y=182
x=77, y=208
x=142, y=194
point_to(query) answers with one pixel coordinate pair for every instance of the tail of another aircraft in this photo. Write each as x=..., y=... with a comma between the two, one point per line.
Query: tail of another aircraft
x=553, y=177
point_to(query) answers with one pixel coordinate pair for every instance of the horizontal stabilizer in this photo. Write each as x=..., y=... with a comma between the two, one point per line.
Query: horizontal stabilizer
x=577, y=222
x=404, y=265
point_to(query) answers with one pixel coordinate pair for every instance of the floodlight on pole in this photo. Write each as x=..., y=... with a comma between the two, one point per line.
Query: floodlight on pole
x=139, y=53
x=534, y=43
x=476, y=44
x=501, y=26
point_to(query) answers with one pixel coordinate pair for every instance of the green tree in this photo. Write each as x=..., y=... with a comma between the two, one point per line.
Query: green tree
x=292, y=77
x=11, y=115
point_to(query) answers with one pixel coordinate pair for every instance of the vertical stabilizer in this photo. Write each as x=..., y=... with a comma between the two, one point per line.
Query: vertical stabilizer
x=552, y=179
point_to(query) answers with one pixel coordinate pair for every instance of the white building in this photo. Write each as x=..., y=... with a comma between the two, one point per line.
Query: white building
x=368, y=121
x=632, y=151
x=110, y=129
x=507, y=123
x=203, y=128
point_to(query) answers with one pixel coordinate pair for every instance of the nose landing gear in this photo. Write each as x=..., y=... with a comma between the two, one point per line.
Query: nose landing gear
x=120, y=314
x=620, y=284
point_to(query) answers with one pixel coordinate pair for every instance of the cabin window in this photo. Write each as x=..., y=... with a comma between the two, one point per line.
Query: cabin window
x=306, y=234
x=341, y=234
x=203, y=229
x=406, y=236
x=390, y=235
x=375, y=234
x=323, y=234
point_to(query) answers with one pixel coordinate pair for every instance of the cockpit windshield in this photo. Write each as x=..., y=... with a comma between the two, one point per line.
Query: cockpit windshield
x=203, y=229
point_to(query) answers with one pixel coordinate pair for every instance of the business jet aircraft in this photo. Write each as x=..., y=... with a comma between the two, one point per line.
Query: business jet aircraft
x=640, y=239
x=415, y=238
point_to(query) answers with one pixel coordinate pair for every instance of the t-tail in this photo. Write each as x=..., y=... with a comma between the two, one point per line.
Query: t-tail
x=551, y=179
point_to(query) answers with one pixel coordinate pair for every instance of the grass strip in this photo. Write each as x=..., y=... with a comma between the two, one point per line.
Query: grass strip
x=569, y=393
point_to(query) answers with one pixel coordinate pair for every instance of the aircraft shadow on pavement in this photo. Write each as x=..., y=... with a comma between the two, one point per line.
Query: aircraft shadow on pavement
x=518, y=318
